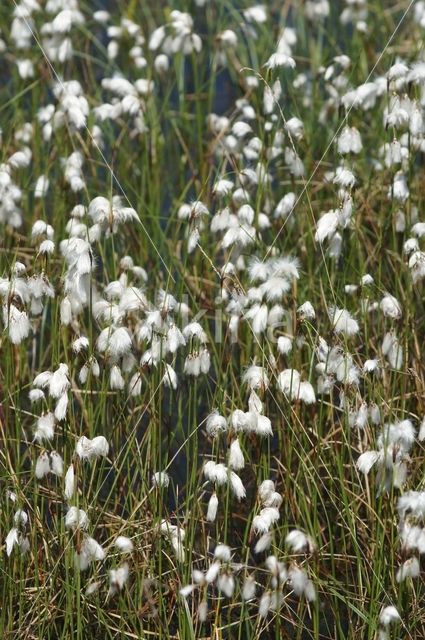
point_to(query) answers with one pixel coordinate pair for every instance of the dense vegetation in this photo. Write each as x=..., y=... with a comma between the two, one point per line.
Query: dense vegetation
x=211, y=264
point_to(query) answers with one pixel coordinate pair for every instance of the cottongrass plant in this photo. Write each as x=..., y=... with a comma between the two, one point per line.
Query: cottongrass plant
x=212, y=416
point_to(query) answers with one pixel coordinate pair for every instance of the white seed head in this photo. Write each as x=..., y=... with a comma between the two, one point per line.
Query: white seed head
x=236, y=458
x=212, y=508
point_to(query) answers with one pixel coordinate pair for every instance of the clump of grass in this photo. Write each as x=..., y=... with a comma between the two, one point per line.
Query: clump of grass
x=211, y=284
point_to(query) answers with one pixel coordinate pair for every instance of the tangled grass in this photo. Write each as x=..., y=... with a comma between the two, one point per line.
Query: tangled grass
x=211, y=260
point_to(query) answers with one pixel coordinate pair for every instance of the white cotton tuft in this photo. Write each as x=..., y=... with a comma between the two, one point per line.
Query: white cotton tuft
x=299, y=542
x=284, y=345
x=223, y=553
x=87, y=449
x=265, y=519
x=349, y=141
x=256, y=377
x=35, y=395
x=216, y=472
x=170, y=379
x=236, y=486
x=389, y=615
x=203, y=611
x=124, y=544
x=12, y=539
x=306, y=393
x=301, y=584
x=366, y=461
x=160, y=479
x=80, y=344
x=119, y=342
x=66, y=311
x=215, y=424
x=392, y=350
x=226, y=584
x=371, y=365
x=390, y=307
x=76, y=518
x=262, y=425
x=265, y=489
x=263, y=543
x=236, y=458
x=69, y=482
x=343, y=322
x=264, y=605
x=61, y=407
x=59, y=381
x=41, y=187
x=249, y=588
x=56, y=464
x=212, y=508
x=116, y=380
x=17, y=323
x=289, y=382
x=212, y=572
x=42, y=466
x=45, y=429
x=91, y=551
x=118, y=578
x=409, y=569
x=327, y=225
x=306, y=311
